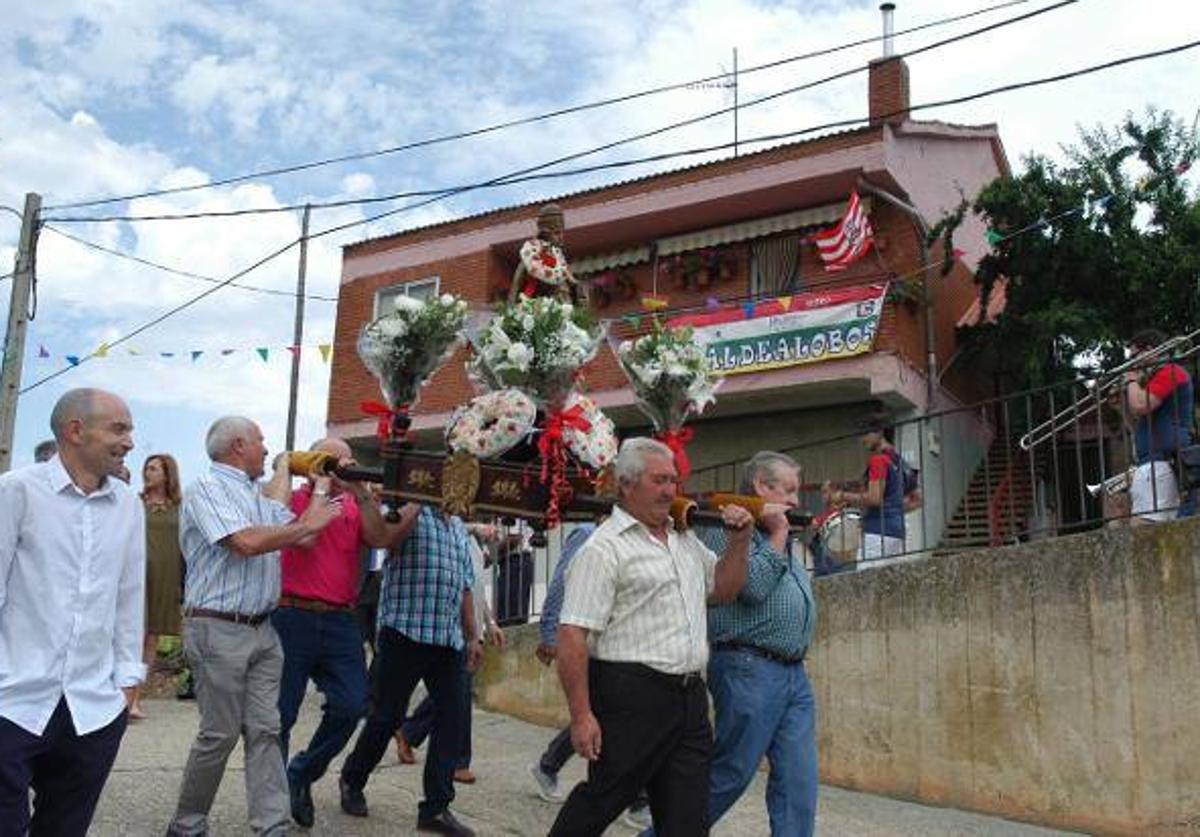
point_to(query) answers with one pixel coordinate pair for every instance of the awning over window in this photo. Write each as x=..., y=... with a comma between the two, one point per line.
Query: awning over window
x=813, y=217
x=608, y=261
x=816, y=216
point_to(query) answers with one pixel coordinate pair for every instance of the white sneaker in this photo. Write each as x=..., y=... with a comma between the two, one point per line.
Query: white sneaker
x=547, y=785
x=638, y=816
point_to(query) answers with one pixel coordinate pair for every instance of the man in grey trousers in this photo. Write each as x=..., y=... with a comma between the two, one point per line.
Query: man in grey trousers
x=231, y=531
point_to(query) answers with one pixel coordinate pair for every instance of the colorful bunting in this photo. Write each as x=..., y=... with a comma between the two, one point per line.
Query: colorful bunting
x=167, y=354
x=324, y=349
x=712, y=303
x=42, y=352
x=196, y=354
x=263, y=353
x=102, y=351
x=295, y=350
x=634, y=320
x=227, y=352
x=994, y=237
x=785, y=302
x=73, y=360
x=748, y=309
x=655, y=303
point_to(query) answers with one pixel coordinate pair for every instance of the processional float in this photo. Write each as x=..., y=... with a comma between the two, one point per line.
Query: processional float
x=530, y=445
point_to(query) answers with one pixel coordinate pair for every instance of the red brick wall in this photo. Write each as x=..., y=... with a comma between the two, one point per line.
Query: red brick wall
x=887, y=91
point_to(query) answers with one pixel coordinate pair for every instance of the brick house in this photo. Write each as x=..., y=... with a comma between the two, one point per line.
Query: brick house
x=742, y=215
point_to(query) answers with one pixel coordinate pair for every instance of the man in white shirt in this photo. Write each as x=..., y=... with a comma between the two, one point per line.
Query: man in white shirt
x=72, y=588
x=635, y=604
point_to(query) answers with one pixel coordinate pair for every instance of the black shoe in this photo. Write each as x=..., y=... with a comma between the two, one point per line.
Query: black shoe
x=444, y=823
x=300, y=794
x=353, y=801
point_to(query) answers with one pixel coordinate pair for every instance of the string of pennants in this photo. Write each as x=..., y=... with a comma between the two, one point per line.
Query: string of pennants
x=262, y=352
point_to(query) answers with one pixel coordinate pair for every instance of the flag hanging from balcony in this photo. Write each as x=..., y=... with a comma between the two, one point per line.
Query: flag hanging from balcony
x=847, y=241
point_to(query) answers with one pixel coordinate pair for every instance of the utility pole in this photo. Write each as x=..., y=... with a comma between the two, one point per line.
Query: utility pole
x=735, y=103
x=18, y=317
x=298, y=333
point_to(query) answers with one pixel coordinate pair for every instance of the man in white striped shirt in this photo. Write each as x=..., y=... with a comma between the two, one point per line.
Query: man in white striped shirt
x=231, y=533
x=636, y=605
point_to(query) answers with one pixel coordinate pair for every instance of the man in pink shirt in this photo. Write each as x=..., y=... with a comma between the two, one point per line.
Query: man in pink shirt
x=317, y=628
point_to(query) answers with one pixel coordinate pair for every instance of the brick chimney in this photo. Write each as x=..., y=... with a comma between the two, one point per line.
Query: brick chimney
x=887, y=79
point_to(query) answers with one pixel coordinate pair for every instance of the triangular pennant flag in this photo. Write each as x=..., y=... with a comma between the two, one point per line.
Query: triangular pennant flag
x=785, y=302
x=634, y=320
x=42, y=352
x=324, y=349
x=958, y=253
x=227, y=352
x=654, y=303
x=712, y=303
x=102, y=351
x=295, y=350
x=73, y=360
x=134, y=352
x=748, y=310
x=264, y=354
x=167, y=354
x=994, y=237
x=196, y=354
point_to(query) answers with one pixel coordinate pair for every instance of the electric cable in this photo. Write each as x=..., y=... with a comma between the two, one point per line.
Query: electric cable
x=529, y=119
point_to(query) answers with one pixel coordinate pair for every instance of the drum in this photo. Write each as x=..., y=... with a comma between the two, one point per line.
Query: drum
x=841, y=533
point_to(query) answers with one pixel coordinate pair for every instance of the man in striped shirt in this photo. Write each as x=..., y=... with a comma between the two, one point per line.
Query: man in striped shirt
x=231, y=532
x=635, y=605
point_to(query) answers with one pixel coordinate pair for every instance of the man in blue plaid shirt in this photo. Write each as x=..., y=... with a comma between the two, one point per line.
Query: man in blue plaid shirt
x=762, y=699
x=427, y=632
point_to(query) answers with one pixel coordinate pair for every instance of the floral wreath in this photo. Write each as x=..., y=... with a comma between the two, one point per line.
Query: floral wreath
x=545, y=262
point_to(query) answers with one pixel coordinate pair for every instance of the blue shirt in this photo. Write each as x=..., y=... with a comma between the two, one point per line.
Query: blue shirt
x=224, y=501
x=552, y=606
x=421, y=593
x=888, y=517
x=775, y=610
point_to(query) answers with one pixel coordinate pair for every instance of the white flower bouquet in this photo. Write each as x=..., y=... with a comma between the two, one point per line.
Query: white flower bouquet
x=403, y=347
x=671, y=376
x=536, y=345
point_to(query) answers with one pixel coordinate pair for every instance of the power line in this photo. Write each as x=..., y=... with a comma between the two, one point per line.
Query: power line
x=499, y=180
x=176, y=271
x=587, y=153
x=528, y=120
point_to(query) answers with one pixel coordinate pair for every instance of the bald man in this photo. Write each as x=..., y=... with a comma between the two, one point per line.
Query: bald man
x=72, y=587
x=317, y=628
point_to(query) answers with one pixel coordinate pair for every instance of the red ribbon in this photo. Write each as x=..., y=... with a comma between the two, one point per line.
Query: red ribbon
x=383, y=427
x=554, y=457
x=677, y=441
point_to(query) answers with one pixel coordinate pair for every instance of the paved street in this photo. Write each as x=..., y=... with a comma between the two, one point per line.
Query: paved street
x=140, y=795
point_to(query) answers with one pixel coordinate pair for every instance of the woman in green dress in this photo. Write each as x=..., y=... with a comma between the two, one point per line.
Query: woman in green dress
x=164, y=561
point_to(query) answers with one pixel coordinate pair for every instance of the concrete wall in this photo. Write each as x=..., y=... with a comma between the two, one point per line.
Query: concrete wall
x=1054, y=682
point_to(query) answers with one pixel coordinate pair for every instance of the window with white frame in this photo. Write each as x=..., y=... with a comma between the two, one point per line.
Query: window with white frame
x=385, y=298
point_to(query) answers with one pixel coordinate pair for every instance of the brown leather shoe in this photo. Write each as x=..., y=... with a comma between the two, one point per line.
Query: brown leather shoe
x=404, y=753
x=464, y=776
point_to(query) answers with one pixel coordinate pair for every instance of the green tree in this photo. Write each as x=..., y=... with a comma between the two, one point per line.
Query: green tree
x=1096, y=248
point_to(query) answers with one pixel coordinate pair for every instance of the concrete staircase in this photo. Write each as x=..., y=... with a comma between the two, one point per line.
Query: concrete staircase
x=1003, y=477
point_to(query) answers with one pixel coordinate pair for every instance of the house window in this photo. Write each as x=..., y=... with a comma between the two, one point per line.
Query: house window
x=385, y=298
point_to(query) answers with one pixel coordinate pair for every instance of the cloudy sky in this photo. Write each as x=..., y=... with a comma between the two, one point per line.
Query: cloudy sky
x=125, y=96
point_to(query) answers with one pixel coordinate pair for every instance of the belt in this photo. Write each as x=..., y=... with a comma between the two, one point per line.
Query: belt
x=679, y=681
x=315, y=605
x=237, y=618
x=729, y=645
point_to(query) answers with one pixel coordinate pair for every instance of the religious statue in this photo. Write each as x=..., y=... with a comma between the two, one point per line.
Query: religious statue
x=543, y=270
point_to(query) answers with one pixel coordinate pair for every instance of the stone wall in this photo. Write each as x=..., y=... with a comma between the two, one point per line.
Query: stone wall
x=1057, y=682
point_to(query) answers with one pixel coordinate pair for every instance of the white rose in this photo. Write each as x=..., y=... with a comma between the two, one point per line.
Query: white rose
x=649, y=373
x=520, y=356
x=408, y=304
x=392, y=327
x=527, y=322
x=447, y=300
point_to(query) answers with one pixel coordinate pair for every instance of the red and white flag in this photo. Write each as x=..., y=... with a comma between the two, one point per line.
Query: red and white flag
x=847, y=241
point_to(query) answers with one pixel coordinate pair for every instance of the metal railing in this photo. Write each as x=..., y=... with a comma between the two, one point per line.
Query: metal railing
x=979, y=487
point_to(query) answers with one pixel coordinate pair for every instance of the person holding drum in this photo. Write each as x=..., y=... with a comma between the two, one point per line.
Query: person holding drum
x=892, y=490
